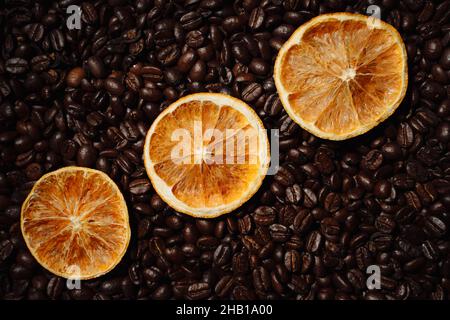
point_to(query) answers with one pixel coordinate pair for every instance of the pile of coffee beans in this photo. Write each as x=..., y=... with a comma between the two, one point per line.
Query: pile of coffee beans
x=87, y=97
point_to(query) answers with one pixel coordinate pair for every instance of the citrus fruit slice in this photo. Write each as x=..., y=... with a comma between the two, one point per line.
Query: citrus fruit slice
x=206, y=154
x=341, y=74
x=75, y=223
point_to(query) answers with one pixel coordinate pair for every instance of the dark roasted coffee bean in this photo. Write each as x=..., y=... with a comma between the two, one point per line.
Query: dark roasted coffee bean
x=314, y=242
x=279, y=233
x=151, y=94
x=232, y=24
x=435, y=226
x=256, y=18
x=430, y=250
x=309, y=198
x=385, y=223
x=86, y=155
x=332, y=202
x=198, y=71
x=273, y=105
x=168, y=55
x=445, y=59
x=114, y=86
x=391, y=151
x=34, y=31
x=57, y=39
x=186, y=61
x=6, y=248
x=96, y=67
x=292, y=261
x=191, y=20
x=405, y=135
x=433, y=48
x=252, y=92
x=16, y=65
x=55, y=287
x=261, y=279
x=198, y=291
x=382, y=189
x=302, y=221
x=74, y=77
x=259, y=67
x=222, y=255
x=432, y=90
x=294, y=194
x=372, y=160
x=224, y=286
x=139, y=186
x=265, y=216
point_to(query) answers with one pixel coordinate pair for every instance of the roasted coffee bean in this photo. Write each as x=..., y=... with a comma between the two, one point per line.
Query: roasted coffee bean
x=265, y=216
x=168, y=55
x=273, y=105
x=55, y=287
x=191, y=20
x=74, y=77
x=151, y=94
x=279, y=232
x=382, y=189
x=314, y=242
x=261, y=279
x=405, y=135
x=16, y=65
x=57, y=39
x=292, y=261
x=222, y=255
x=256, y=18
x=433, y=48
x=309, y=198
x=6, y=248
x=259, y=66
x=224, y=286
x=372, y=160
x=302, y=221
x=445, y=59
x=139, y=186
x=198, y=291
x=34, y=31
x=198, y=71
x=435, y=226
x=252, y=92
x=96, y=67
x=385, y=223
x=294, y=194
x=430, y=250
x=86, y=155
x=114, y=86
x=186, y=61
x=332, y=202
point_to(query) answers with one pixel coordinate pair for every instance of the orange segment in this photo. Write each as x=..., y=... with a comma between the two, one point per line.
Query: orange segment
x=75, y=223
x=341, y=74
x=226, y=161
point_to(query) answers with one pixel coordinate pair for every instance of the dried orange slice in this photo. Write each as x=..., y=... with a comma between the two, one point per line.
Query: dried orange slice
x=341, y=74
x=75, y=223
x=218, y=163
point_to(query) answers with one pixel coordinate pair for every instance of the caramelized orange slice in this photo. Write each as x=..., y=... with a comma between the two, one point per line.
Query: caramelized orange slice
x=341, y=74
x=75, y=223
x=206, y=154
